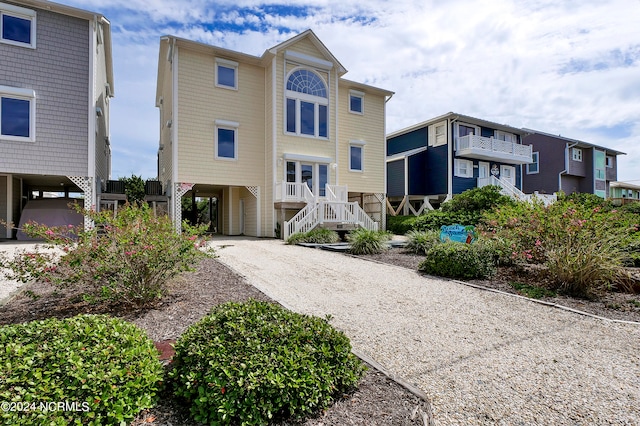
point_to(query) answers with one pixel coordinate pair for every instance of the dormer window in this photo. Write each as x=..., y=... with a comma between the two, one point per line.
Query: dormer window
x=17, y=26
x=307, y=104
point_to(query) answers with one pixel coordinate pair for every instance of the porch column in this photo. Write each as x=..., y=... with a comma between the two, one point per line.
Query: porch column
x=255, y=191
x=86, y=183
x=179, y=189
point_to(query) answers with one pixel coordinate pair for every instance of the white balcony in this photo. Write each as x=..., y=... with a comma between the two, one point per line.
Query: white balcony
x=473, y=146
x=296, y=192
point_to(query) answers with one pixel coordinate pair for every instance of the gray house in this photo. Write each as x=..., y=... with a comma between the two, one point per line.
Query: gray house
x=56, y=78
x=569, y=165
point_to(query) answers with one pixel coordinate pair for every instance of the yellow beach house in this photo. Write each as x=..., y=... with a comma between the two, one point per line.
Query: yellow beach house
x=281, y=141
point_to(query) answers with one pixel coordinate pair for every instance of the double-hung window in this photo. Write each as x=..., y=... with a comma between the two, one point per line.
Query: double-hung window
x=226, y=74
x=17, y=114
x=17, y=26
x=307, y=104
x=463, y=168
x=226, y=140
x=356, y=102
x=356, y=157
x=534, y=167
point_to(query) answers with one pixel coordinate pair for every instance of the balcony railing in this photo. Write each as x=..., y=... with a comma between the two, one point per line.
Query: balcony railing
x=301, y=193
x=474, y=146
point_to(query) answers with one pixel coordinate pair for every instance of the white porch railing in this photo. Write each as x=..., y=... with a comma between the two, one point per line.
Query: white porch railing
x=325, y=212
x=514, y=192
x=336, y=192
x=493, y=146
x=294, y=192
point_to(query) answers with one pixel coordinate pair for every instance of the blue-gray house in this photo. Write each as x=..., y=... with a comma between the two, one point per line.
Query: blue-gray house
x=431, y=161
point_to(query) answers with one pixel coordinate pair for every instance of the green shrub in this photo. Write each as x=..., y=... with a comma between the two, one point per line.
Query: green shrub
x=125, y=259
x=477, y=200
x=364, y=241
x=315, y=236
x=400, y=225
x=104, y=369
x=421, y=242
x=249, y=363
x=433, y=220
x=457, y=260
x=584, y=247
x=630, y=208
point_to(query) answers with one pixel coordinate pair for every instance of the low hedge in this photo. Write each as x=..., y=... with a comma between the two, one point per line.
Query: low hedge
x=254, y=362
x=89, y=369
x=458, y=260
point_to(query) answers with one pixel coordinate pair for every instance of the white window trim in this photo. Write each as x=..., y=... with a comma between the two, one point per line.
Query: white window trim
x=227, y=64
x=609, y=160
x=316, y=100
x=576, y=154
x=23, y=94
x=23, y=13
x=457, y=171
x=432, y=133
x=356, y=94
x=226, y=125
x=357, y=144
x=537, y=163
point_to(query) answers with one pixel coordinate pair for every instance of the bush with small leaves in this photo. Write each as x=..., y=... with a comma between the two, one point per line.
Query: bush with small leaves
x=365, y=241
x=315, y=236
x=255, y=362
x=102, y=370
x=458, y=260
x=126, y=259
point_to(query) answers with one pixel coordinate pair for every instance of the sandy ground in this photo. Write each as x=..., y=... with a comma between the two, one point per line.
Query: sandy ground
x=482, y=357
x=9, y=287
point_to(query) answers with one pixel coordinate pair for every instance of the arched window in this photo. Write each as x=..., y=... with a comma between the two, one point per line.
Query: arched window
x=307, y=103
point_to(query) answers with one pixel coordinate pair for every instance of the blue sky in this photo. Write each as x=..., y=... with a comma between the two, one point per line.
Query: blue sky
x=568, y=67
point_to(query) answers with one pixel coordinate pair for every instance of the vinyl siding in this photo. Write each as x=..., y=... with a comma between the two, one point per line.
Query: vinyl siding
x=395, y=178
x=165, y=153
x=303, y=145
x=200, y=104
x=103, y=151
x=368, y=127
x=407, y=141
x=58, y=71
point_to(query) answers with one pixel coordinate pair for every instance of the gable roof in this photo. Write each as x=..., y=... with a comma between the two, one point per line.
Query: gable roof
x=578, y=143
x=309, y=34
x=82, y=14
x=460, y=117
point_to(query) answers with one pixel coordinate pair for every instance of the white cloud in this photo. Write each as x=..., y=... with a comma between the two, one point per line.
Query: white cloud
x=565, y=67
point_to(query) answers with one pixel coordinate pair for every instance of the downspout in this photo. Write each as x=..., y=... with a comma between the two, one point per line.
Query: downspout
x=566, y=164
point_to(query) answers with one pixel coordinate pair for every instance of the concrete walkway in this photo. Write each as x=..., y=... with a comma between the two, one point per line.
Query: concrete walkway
x=483, y=358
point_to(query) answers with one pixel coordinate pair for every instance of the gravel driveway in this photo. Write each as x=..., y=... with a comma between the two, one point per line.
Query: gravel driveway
x=482, y=357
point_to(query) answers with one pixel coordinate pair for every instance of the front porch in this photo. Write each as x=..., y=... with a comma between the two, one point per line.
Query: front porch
x=329, y=207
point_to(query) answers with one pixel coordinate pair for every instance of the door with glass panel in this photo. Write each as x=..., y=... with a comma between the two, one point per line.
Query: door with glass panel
x=314, y=175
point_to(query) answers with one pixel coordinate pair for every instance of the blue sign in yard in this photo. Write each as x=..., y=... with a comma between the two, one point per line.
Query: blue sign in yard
x=458, y=233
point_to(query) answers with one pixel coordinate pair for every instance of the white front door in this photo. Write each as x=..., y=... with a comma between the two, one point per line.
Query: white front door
x=483, y=170
x=508, y=174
